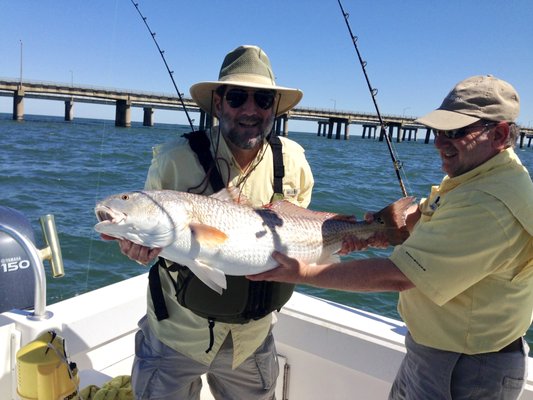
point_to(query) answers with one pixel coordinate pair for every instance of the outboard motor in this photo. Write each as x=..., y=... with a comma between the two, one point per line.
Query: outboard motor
x=17, y=279
x=22, y=278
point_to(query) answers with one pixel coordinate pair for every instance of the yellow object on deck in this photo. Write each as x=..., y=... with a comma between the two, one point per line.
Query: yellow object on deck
x=118, y=388
x=44, y=372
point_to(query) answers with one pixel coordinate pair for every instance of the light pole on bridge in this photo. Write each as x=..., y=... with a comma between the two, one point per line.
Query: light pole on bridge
x=20, y=62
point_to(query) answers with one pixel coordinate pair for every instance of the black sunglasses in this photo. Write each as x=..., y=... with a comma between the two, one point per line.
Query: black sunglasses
x=263, y=98
x=461, y=132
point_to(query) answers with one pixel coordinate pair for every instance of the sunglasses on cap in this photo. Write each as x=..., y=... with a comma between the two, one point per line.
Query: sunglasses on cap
x=264, y=99
x=462, y=132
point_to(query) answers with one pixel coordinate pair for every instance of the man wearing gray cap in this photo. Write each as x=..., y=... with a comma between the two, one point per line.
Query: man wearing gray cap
x=189, y=329
x=465, y=274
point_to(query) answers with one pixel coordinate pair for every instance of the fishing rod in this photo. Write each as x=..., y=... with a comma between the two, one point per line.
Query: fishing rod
x=162, y=53
x=373, y=92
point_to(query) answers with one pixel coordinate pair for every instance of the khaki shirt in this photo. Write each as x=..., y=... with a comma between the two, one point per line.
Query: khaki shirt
x=470, y=258
x=175, y=166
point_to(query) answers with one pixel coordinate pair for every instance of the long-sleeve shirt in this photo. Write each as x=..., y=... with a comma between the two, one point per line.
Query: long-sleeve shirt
x=175, y=166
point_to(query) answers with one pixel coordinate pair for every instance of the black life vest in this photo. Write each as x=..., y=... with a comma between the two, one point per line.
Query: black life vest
x=243, y=300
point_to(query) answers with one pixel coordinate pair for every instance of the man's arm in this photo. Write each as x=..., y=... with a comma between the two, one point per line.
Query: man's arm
x=367, y=275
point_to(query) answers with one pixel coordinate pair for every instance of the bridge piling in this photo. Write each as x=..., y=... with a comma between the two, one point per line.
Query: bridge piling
x=338, y=133
x=123, y=113
x=346, y=130
x=330, y=129
x=281, y=125
x=69, y=110
x=285, y=119
x=371, y=130
x=18, y=104
x=411, y=133
x=148, y=116
x=398, y=126
x=339, y=122
x=322, y=128
x=523, y=137
x=428, y=135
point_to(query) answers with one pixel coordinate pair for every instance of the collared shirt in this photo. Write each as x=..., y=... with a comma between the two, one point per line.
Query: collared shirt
x=176, y=167
x=470, y=258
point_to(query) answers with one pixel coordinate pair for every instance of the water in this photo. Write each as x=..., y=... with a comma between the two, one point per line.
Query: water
x=49, y=166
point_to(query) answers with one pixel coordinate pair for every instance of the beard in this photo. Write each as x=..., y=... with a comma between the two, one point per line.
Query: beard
x=246, y=138
x=245, y=141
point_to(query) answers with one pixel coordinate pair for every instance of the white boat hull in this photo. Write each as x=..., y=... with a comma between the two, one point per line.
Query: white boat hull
x=327, y=350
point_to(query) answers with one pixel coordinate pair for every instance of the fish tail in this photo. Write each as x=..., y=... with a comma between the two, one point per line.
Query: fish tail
x=393, y=217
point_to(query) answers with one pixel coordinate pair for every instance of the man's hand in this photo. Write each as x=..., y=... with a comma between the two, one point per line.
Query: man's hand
x=141, y=254
x=352, y=243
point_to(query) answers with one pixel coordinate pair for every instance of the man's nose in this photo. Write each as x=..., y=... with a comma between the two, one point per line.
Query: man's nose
x=249, y=104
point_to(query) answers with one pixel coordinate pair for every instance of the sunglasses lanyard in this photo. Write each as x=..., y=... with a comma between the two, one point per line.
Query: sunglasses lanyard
x=373, y=92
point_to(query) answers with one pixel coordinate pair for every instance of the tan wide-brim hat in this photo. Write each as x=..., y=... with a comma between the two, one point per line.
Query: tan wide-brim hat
x=478, y=97
x=246, y=66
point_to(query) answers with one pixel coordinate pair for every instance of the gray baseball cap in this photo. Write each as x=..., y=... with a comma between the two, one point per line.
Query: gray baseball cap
x=478, y=97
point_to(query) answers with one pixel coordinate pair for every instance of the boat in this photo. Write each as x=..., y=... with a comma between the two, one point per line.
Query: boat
x=326, y=350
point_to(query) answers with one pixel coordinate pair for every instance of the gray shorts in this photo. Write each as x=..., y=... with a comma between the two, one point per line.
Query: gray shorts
x=161, y=373
x=427, y=373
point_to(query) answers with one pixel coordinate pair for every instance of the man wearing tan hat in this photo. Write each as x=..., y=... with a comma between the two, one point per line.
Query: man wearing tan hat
x=465, y=274
x=189, y=329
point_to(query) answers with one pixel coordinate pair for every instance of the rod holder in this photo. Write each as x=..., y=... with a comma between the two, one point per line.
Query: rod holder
x=53, y=251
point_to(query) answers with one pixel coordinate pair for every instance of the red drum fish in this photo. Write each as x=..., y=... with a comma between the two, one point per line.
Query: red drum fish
x=215, y=237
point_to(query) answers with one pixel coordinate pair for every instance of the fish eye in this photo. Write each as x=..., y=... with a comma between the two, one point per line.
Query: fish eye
x=125, y=197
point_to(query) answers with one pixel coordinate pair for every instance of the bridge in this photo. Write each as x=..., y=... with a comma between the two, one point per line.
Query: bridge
x=331, y=123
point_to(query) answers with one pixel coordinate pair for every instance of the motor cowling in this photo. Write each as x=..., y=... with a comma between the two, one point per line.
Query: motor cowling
x=17, y=279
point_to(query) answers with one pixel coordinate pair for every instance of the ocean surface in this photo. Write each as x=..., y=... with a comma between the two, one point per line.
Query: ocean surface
x=49, y=166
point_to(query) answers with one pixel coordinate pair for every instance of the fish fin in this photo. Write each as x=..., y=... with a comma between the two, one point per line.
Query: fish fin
x=208, y=235
x=212, y=277
x=286, y=207
x=394, y=217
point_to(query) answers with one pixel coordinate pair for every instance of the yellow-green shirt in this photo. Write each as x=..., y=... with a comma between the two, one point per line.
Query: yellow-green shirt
x=470, y=258
x=175, y=166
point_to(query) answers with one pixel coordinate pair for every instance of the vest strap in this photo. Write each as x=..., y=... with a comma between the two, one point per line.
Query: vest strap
x=156, y=291
x=201, y=145
x=279, y=168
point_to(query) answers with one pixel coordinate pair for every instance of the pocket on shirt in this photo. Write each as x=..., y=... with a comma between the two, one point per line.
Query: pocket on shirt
x=267, y=362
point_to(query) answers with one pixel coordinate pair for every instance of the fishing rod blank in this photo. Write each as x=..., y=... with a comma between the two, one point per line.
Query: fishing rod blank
x=162, y=53
x=373, y=92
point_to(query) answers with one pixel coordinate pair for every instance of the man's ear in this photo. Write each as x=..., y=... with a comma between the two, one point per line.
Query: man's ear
x=217, y=104
x=501, y=135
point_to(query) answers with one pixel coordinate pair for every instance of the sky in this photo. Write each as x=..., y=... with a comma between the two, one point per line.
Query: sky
x=416, y=50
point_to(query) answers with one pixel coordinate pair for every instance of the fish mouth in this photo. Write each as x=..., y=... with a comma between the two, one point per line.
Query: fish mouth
x=105, y=214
